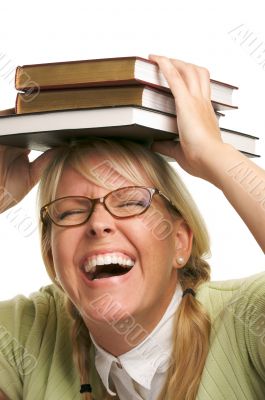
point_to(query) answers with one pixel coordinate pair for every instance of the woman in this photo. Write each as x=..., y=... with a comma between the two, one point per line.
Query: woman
x=124, y=246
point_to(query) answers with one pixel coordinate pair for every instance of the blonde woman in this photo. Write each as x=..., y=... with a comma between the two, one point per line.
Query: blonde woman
x=131, y=313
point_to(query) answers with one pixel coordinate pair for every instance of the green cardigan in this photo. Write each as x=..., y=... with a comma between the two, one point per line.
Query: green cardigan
x=36, y=353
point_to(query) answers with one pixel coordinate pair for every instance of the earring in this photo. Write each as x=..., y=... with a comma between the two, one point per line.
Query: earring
x=180, y=260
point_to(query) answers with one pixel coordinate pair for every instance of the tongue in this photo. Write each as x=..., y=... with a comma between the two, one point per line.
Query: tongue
x=101, y=275
x=109, y=271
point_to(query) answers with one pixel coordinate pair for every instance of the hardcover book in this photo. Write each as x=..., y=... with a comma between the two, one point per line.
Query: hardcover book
x=40, y=131
x=104, y=72
x=68, y=99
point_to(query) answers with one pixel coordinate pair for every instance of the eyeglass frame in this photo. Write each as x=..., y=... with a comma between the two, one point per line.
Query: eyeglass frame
x=101, y=200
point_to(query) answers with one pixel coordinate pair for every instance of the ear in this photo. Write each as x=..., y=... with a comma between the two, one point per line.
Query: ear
x=183, y=243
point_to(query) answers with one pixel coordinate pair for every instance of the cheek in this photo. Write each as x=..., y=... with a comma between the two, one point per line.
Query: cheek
x=156, y=252
x=63, y=245
x=163, y=256
x=157, y=223
x=160, y=247
x=156, y=230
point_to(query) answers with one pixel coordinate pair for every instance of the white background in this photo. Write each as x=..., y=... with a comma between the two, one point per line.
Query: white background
x=195, y=31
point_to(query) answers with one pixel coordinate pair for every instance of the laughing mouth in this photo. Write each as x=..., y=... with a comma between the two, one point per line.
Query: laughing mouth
x=102, y=271
x=107, y=265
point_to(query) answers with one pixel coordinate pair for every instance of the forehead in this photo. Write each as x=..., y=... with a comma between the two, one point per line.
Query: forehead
x=93, y=177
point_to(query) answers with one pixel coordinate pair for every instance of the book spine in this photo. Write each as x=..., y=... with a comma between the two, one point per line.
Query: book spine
x=24, y=82
x=17, y=77
x=17, y=108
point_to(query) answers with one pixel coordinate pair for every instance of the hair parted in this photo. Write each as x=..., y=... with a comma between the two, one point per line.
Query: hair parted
x=141, y=166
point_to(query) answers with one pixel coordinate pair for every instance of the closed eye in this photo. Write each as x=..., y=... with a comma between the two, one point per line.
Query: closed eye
x=69, y=213
x=133, y=203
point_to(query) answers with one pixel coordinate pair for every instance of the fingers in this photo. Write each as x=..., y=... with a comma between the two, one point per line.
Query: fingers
x=11, y=153
x=38, y=166
x=10, y=156
x=172, y=75
x=183, y=76
x=189, y=74
x=205, y=82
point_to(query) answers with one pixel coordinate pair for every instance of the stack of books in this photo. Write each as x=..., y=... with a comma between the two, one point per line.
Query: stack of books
x=128, y=97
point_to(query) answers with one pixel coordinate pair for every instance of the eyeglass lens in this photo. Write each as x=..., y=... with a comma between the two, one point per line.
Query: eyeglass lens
x=122, y=203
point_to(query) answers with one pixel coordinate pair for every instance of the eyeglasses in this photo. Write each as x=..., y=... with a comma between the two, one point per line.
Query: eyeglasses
x=120, y=203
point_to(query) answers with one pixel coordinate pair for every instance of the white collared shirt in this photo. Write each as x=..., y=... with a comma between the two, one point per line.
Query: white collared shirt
x=140, y=374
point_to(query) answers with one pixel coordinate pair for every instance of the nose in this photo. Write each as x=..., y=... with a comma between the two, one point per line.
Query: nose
x=101, y=223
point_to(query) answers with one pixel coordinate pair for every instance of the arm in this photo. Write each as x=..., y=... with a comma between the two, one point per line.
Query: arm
x=243, y=184
x=3, y=396
x=201, y=151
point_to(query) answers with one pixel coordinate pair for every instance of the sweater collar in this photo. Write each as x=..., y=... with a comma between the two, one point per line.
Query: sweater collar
x=148, y=358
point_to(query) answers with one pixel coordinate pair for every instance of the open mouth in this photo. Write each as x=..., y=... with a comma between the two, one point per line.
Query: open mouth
x=107, y=265
x=107, y=271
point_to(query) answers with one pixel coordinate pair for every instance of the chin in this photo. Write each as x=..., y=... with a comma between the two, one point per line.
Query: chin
x=105, y=309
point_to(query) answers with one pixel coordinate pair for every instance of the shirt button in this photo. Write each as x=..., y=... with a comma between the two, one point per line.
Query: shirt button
x=119, y=365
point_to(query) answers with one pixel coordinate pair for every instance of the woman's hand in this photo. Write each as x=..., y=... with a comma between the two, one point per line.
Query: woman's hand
x=18, y=175
x=201, y=151
x=197, y=124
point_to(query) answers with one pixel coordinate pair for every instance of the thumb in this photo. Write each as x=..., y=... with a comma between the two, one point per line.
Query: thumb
x=174, y=150
x=166, y=147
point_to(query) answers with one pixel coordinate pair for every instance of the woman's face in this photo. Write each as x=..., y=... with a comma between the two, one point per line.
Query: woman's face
x=144, y=292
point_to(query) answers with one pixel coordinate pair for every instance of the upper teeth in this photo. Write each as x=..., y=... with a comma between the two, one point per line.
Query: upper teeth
x=105, y=259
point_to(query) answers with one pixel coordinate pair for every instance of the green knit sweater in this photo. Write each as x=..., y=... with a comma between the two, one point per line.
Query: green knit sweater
x=36, y=352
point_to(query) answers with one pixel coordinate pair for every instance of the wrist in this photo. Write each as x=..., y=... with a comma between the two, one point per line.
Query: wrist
x=215, y=160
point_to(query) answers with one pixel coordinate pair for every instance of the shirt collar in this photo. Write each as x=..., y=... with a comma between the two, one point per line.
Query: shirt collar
x=148, y=358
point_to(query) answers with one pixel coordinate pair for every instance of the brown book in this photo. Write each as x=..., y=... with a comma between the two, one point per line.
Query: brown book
x=112, y=96
x=104, y=72
x=7, y=111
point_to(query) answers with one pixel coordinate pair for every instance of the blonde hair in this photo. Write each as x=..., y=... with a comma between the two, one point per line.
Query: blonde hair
x=138, y=164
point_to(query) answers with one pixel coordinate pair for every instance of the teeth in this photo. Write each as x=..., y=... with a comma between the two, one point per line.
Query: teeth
x=93, y=262
x=106, y=259
x=98, y=261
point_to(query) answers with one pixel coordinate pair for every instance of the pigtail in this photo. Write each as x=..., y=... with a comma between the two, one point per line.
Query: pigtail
x=81, y=343
x=191, y=337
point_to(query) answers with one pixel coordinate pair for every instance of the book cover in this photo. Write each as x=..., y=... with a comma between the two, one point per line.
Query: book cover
x=40, y=131
x=104, y=72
